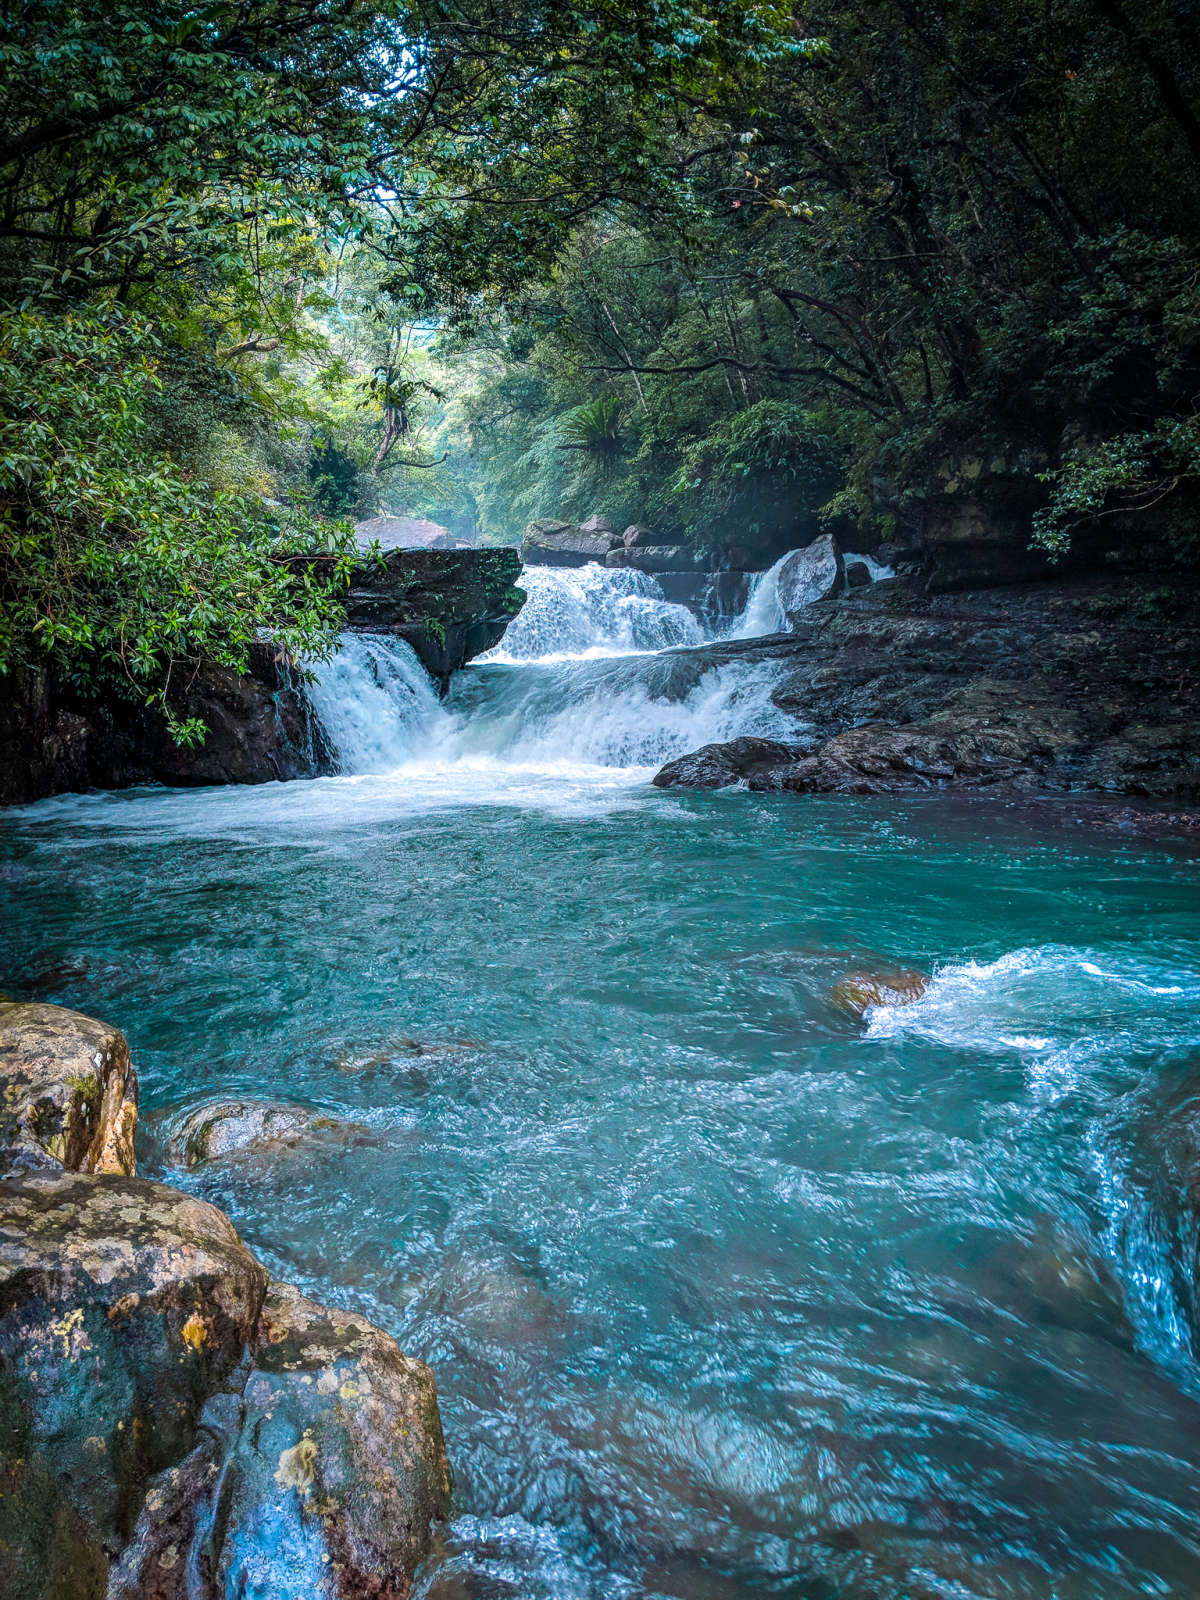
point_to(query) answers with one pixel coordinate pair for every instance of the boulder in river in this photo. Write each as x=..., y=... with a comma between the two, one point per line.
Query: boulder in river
x=172, y=1425
x=718, y=766
x=858, y=992
x=809, y=575
x=223, y=1126
x=70, y=1091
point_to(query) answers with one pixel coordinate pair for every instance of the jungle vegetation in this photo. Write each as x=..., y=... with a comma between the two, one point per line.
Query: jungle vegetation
x=270, y=265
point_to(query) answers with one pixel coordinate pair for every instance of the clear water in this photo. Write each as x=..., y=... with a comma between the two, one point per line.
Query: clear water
x=727, y=1294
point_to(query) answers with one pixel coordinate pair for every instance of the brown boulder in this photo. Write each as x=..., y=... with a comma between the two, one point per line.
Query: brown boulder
x=857, y=992
x=125, y=1304
x=329, y=1469
x=70, y=1091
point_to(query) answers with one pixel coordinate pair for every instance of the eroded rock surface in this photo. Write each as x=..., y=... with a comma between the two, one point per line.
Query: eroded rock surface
x=223, y=1126
x=717, y=766
x=125, y=1304
x=69, y=1091
x=318, y=1481
x=173, y=1426
x=1070, y=688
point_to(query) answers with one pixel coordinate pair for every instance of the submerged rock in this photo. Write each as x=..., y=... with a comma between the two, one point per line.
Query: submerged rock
x=70, y=1091
x=858, y=992
x=223, y=1126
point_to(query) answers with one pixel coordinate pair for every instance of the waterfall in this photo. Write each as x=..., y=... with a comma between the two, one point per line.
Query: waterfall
x=560, y=717
x=575, y=612
x=375, y=703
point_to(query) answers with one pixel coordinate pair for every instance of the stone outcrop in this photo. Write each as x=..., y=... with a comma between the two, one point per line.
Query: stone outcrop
x=55, y=739
x=1067, y=688
x=449, y=605
x=172, y=1425
x=69, y=1091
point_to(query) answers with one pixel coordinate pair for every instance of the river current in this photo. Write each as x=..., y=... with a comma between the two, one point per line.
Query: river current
x=728, y=1294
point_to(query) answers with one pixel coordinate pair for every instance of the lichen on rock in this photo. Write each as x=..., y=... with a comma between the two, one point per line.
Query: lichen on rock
x=69, y=1091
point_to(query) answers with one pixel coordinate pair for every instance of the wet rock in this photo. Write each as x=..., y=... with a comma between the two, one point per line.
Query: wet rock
x=809, y=575
x=858, y=574
x=223, y=1126
x=717, y=766
x=69, y=1091
x=658, y=558
x=123, y=1306
x=550, y=543
x=858, y=992
x=318, y=1481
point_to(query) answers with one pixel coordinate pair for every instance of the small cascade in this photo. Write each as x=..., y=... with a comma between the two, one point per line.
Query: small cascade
x=577, y=612
x=375, y=703
x=629, y=713
x=764, y=613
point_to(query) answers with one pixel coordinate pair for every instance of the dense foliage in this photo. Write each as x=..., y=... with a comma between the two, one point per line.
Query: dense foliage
x=266, y=265
x=943, y=237
x=211, y=217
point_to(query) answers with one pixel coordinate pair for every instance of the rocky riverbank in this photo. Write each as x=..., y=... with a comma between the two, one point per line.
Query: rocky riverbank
x=1074, y=687
x=174, y=1425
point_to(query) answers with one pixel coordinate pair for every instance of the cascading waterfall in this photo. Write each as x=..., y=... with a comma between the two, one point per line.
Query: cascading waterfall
x=580, y=682
x=585, y=611
x=375, y=703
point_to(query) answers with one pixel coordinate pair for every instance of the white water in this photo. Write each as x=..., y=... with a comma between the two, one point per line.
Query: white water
x=578, y=692
x=764, y=613
x=581, y=613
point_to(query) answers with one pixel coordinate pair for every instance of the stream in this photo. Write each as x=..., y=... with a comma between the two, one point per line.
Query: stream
x=727, y=1293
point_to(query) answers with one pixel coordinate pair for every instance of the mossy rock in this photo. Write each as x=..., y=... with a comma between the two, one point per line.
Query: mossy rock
x=68, y=1091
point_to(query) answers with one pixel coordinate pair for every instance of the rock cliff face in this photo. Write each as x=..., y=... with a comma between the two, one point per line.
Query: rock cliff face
x=1065, y=688
x=54, y=738
x=449, y=605
x=173, y=1426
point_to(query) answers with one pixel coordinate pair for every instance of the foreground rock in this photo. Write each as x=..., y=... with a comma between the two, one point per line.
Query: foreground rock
x=172, y=1425
x=320, y=1478
x=1069, y=688
x=70, y=1091
x=125, y=1305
